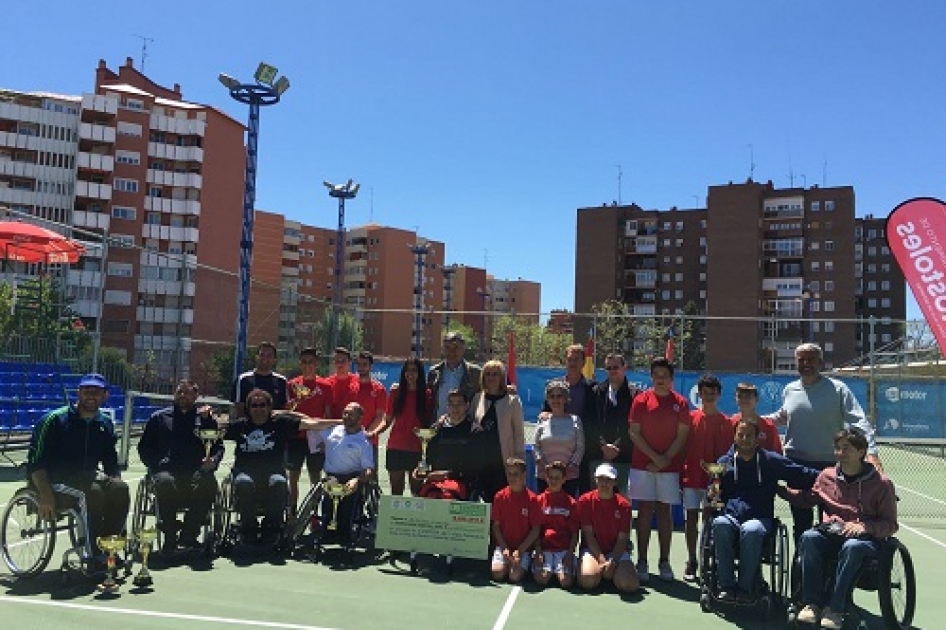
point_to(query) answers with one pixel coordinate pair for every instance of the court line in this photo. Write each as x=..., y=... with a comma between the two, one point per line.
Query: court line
x=922, y=535
x=164, y=615
x=920, y=494
x=507, y=608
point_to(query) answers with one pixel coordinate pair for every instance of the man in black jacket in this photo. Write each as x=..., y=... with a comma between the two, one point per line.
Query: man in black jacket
x=67, y=447
x=606, y=432
x=182, y=473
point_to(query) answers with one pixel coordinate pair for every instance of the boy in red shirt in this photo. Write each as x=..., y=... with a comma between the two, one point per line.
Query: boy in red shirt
x=312, y=395
x=555, y=551
x=605, y=518
x=747, y=397
x=710, y=437
x=517, y=519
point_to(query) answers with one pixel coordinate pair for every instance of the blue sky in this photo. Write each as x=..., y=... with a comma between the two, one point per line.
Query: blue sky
x=486, y=124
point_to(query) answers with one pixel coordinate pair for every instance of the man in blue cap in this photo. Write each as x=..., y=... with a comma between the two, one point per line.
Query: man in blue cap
x=67, y=447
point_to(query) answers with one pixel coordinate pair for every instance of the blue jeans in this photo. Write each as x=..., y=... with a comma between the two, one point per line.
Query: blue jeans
x=817, y=550
x=748, y=537
x=271, y=492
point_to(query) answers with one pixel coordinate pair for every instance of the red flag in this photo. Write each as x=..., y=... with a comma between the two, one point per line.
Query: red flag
x=668, y=352
x=511, y=361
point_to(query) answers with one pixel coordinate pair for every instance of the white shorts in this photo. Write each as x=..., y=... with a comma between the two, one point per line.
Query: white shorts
x=624, y=555
x=644, y=485
x=694, y=498
x=554, y=562
x=526, y=560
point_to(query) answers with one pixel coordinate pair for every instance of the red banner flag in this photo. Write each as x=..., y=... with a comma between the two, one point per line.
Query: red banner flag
x=511, y=361
x=668, y=351
x=916, y=234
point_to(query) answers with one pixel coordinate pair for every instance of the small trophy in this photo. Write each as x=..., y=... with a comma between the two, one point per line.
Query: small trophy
x=110, y=545
x=336, y=491
x=300, y=392
x=145, y=539
x=209, y=436
x=714, y=470
x=425, y=436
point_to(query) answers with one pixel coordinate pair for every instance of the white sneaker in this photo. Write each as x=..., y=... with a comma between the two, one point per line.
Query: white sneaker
x=666, y=571
x=808, y=614
x=832, y=619
x=642, y=573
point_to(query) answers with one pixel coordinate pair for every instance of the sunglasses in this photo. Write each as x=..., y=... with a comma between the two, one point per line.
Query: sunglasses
x=259, y=405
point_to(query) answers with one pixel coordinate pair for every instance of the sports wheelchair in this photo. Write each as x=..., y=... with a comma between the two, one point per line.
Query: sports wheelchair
x=317, y=518
x=890, y=574
x=27, y=541
x=146, y=514
x=226, y=525
x=770, y=596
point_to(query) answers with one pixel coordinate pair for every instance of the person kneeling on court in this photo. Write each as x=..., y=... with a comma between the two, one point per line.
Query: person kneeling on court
x=605, y=519
x=452, y=454
x=517, y=519
x=555, y=549
x=259, y=473
x=181, y=470
x=748, y=488
x=859, y=509
x=349, y=459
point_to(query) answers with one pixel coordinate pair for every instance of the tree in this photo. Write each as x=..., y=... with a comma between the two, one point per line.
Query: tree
x=535, y=344
x=37, y=319
x=350, y=334
x=692, y=333
x=613, y=327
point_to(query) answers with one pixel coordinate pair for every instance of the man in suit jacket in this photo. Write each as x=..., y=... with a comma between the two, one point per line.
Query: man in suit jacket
x=453, y=373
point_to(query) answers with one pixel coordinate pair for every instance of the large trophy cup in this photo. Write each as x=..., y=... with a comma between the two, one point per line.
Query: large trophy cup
x=336, y=491
x=110, y=545
x=714, y=470
x=209, y=436
x=146, y=538
x=425, y=436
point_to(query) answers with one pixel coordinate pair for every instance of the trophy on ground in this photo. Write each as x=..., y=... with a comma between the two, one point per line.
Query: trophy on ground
x=146, y=538
x=714, y=470
x=425, y=436
x=209, y=436
x=110, y=545
x=335, y=490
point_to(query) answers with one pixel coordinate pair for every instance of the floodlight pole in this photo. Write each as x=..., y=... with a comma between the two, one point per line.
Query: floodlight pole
x=340, y=192
x=420, y=256
x=263, y=92
x=448, y=272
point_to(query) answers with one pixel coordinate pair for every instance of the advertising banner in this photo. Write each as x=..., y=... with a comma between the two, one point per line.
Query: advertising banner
x=436, y=526
x=909, y=409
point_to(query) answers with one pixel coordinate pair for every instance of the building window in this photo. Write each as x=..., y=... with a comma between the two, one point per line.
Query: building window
x=129, y=129
x=872, y=303
x=126, y=185
x=678, y=294
x=121, y=241
x=678, y=277
x=815, y=206
x=829, y=206
x=665, y=295
x=829, y=265
x=885, y=285
x=829, y=246
x=815, y=265
x=828, y=286
x=128, y=157
x=665, y=277
x=884, y=302
x=679, y=260
x=829, y=306
x=124, y=212
x=120, y=270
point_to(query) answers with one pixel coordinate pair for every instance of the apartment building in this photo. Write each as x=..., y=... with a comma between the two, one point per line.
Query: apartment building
x=770, y=267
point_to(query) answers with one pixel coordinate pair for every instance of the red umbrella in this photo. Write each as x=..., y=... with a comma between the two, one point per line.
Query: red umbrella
x=25, y=242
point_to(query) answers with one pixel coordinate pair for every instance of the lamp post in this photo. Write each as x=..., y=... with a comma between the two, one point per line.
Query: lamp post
x=420, y=251
x=348, y=190
x=485, y=295
x=448, y=272
x=267, y=90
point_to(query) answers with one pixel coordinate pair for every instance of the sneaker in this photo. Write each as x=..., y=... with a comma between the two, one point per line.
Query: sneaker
x=690, y=571
x=666, y=572
x=808, y=614
x=642, y=573
x=726, y=596
x=832, y=619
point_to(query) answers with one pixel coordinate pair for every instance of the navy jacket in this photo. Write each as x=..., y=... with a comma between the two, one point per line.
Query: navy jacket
x=70, y=449
x=748, y=487
x=169, y=443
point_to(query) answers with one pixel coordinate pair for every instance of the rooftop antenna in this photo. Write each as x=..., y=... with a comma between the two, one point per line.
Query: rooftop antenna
x=144, y=49
x=824, y=173
x=620, y=175
x=371, y=206
x=791, y=169
x=751, y=160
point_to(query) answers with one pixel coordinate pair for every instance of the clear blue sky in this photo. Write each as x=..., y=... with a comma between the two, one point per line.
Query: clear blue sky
x=486, y=124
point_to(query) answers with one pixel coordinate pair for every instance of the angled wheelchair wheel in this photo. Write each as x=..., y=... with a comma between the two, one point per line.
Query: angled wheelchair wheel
x=308, y=509
x=27, y=540
x=897, y=587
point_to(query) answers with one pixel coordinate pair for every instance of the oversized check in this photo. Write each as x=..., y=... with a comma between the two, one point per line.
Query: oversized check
x=456, y=528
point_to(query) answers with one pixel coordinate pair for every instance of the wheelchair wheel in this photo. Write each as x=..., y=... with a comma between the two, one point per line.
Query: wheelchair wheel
x=897, y=588
x=28, y=541
x=223, y=508
x=707, y=568
x=308, y=509
x=780, y=565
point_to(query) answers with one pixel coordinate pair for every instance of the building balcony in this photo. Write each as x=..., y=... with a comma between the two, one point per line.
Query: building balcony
x=25, y=170
x=93, y=190
x=166, y=287
x=173, y=206
x=95, y=162
x=155, y=259
x=159, y=315
x=96, y=133
x=176, y=180
x=162, y=342
x=100, y=103
x=171, y=233
x=94, y=220
x=179, y=126
x=175, y=153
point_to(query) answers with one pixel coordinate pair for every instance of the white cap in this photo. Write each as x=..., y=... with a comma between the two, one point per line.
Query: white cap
x=606, y=470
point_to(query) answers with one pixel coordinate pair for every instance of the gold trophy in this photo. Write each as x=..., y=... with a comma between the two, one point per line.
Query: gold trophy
x=110, y=545
x=300, y=393
x=714, y=470
x=425, y=435
x=209, y=436
x=145, y=539
x=335, y=490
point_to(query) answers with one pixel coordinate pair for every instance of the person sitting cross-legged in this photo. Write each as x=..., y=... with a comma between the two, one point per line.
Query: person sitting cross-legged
x=516, y=521
x=555, y=550
x=605, y=518
x=748, y=488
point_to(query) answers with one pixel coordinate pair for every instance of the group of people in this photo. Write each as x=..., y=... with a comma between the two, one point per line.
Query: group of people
x=577, y=528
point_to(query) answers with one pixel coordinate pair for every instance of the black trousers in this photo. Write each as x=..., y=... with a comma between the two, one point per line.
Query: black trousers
x=106, y=501
x=190, y=491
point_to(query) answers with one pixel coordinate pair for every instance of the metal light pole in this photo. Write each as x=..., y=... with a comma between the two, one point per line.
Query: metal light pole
x=448, y=272
x=485, y=295
x=348, y=190
x=420, y=257
x=267, y=90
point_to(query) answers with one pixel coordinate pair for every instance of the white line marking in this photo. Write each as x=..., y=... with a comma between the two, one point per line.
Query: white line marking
x=922, y=535
x=164, y=615
x=920, y=494
x=507, y=608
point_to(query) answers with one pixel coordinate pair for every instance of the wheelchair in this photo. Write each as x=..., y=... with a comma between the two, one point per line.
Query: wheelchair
x=316, y=519
x=890, y=574
x=771, y=595
x=27, y=542
x=146, y=514
x=226, y=525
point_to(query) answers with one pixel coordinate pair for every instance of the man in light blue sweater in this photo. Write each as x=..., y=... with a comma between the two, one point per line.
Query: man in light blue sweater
x=814, y=409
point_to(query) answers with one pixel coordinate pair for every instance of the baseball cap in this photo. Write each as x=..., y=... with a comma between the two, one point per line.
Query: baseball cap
x=606, y=470
x=93, y=380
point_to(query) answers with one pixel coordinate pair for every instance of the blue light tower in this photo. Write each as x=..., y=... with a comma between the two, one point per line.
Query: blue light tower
x=266, y=91
x=348, y=190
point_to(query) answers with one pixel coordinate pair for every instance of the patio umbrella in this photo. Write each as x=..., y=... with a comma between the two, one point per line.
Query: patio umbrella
x=28, y=243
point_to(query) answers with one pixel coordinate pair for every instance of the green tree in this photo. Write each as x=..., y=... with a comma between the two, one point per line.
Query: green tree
x=37, y=319
x=535, y=344
x=614, y=327
x=350, y=334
